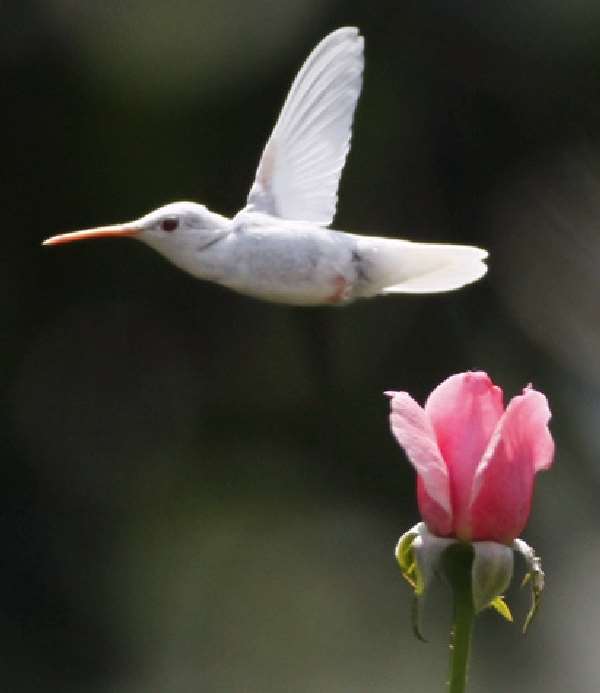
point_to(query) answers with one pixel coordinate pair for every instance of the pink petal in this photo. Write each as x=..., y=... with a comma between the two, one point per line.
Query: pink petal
x=503, y=484
x=412, y=429
x=437, y=519
x=464, y=411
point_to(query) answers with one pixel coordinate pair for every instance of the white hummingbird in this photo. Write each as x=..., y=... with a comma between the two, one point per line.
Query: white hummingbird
x=278, y=247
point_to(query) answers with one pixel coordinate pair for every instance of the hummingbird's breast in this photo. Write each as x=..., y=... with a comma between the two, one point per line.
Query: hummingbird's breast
x=300, y=265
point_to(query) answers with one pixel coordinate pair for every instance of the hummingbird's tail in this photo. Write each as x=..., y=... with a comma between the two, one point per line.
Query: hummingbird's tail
x=391, y=266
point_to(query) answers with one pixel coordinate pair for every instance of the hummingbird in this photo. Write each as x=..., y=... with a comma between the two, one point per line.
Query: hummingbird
x=279, y=247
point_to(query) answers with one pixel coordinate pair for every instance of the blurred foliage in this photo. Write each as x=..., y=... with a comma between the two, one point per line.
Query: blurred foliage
x=200, y=490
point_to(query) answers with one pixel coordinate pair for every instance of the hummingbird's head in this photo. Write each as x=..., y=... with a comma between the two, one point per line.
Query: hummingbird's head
x=181, y=223
x=176, y=225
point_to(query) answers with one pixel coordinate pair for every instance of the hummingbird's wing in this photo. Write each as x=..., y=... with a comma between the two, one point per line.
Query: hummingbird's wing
x=299, y=171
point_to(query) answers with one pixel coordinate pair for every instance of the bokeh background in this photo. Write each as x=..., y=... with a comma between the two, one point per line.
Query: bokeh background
x=199, y=491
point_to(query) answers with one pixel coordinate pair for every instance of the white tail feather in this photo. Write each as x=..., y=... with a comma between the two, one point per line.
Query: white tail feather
x=395, y=266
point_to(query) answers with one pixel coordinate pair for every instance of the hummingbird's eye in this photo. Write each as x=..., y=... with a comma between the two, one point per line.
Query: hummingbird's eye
x=169, y=225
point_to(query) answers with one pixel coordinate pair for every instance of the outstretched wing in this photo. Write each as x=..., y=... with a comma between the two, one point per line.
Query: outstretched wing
x=299, y=171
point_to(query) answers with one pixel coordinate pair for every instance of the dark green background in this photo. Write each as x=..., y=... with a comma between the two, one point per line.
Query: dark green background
x=200, y=491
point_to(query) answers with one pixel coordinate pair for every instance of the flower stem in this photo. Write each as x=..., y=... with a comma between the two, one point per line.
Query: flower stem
x=458, y=561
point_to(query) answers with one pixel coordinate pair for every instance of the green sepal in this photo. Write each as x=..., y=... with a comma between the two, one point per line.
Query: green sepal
x=502, y=608
x=418, y=554
x=536, y=596
x=408, y=564
x=415, y=613
x=405, y=556
x=491, y=573
x=534, y=577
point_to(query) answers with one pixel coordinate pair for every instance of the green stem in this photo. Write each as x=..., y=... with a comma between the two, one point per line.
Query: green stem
x=459, y=559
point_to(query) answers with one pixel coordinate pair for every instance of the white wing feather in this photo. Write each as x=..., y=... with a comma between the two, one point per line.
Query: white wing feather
x=299, y=171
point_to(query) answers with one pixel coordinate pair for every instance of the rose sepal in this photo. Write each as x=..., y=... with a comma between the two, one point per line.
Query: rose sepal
x=420, y=554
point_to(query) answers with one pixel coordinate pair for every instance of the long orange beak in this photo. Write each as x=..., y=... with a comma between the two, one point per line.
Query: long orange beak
x=116, y=231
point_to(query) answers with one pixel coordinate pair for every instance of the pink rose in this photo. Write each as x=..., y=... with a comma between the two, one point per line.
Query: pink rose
x=475, y=461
